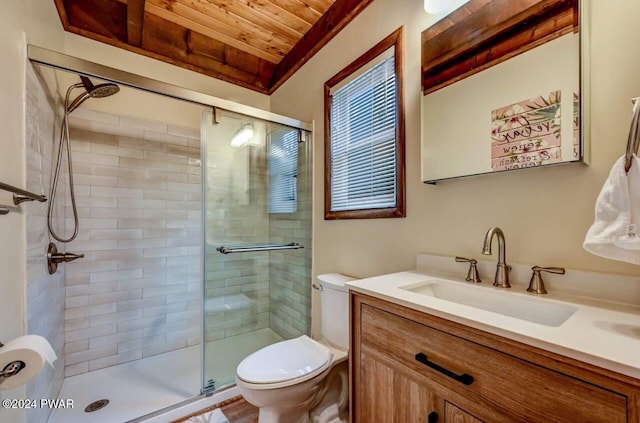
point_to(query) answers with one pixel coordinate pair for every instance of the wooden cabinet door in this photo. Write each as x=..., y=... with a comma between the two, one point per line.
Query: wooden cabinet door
x=453, y=414
x=386, y=395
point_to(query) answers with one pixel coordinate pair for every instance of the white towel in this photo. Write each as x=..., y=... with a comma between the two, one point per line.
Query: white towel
x=614, y=234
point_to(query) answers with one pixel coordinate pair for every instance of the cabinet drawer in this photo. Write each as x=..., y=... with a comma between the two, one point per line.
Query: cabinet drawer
x=527, y=391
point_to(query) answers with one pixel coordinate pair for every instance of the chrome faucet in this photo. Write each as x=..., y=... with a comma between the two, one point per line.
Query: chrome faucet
x=502, y=268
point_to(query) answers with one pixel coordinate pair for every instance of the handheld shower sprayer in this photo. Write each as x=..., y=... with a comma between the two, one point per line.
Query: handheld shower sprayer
x=90, y=91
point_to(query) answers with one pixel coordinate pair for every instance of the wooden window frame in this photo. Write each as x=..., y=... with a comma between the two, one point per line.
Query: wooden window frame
x=395, y=40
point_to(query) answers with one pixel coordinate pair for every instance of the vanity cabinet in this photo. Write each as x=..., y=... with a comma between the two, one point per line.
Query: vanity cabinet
x=408, y=366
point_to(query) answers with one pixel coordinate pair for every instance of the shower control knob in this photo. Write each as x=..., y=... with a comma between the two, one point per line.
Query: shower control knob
x=54, y=258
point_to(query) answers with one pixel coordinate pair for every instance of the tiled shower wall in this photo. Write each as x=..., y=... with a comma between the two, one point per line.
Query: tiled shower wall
x=290, y=270
x=45, y=293
x=137, y=292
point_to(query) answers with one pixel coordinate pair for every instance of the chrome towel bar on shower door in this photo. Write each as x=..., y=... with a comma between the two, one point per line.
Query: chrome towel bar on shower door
x=252, y=248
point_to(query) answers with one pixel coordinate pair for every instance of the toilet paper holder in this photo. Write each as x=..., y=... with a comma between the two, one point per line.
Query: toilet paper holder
x=12, y=368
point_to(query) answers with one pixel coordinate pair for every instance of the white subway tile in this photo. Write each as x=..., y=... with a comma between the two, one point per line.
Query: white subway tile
x=126, y=326
x=114, y=297
x=75, y=324
x=117, y=254
x=95, y=116
x=126, y=162
x=74, y=313
x=93, y=158
x=117, y=275
x=164, y=138
x=88, y=201
x=76, y=369
x=98, y=212
x=165, y=157
x=111, y=318
x=86, y=333
x=141, y=203
x=165, y=195
x=162, y=348
x=72, y=302
x=87, y=289
x=192, y=133
x=77, y=346
x=142, y=263
x=116, y=130
x=113, y=340
x=143, y=124
x=114, y=234
x=90, y=354
x=116, y=192
x=141, y=283
x=114, y=359
x=142, y=144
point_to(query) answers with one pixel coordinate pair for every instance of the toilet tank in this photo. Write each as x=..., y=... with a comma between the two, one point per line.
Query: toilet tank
x=334, y=306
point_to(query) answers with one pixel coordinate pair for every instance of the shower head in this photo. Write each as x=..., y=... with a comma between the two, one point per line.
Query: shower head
x=100, y=90
x=91, y=91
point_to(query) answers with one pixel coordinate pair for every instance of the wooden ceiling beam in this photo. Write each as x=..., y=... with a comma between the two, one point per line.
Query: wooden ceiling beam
x=320, y=6
x=273, y=11
x=135, y=18
x=337, y=17
x=176, y=14
x=300, y=9
x=170, y=43
x=244, y=10
x=256, y=44
x=104, y=17
x=233, y=23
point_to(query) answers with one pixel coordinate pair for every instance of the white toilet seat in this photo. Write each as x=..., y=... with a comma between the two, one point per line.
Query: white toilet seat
x=285, y=363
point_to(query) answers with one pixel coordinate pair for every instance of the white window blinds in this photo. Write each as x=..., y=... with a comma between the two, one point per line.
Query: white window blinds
x=363, y=141
x=283, y=170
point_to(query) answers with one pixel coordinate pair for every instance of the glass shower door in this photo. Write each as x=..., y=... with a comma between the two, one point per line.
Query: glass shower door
x=257, y=221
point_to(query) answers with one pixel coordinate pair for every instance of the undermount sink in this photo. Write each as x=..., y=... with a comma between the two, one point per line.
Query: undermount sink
x=534, y=310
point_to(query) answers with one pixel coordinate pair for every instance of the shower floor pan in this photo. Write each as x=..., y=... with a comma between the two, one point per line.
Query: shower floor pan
x=145, y=386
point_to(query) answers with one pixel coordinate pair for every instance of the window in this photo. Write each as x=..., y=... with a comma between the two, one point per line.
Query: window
x=283, y=170
x=364, y=136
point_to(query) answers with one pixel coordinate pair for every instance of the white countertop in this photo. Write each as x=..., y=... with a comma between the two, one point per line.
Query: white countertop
x=604, y=334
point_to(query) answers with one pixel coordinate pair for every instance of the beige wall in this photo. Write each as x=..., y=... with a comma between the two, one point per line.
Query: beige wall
x=544, y=213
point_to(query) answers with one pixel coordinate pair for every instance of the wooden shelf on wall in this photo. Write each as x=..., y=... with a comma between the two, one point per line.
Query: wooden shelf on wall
x=483, y=33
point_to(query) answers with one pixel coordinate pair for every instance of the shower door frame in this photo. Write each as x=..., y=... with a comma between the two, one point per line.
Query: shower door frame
x=65, y=62
x=56, y=60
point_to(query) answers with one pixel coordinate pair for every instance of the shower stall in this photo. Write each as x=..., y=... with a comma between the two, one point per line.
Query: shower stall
x=195, y=223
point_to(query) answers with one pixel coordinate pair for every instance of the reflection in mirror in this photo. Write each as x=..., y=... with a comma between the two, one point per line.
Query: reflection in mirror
x=519, y=113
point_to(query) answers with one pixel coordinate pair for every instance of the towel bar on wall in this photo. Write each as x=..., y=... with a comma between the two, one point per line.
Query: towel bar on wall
x=634, y=134
x=20, y=195
x=253, y=248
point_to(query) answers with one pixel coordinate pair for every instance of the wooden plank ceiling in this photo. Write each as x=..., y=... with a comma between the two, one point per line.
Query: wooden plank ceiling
x=256, y=44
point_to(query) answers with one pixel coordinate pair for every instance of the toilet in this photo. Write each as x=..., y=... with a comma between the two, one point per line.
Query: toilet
x=302, y=380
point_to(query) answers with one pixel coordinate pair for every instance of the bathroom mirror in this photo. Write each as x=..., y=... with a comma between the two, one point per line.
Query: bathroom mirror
x=522, y=110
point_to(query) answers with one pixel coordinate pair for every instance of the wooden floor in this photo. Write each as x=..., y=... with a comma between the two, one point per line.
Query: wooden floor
x=236, y=409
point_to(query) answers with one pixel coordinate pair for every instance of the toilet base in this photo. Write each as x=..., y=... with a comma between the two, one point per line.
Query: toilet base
x=323, y=399
x=267, y=415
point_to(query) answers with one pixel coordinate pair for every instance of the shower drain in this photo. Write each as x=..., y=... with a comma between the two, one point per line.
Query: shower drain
x=96, y=405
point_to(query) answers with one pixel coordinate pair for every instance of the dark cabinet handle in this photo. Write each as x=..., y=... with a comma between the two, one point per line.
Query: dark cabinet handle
x=432, y=417
x=464, y=378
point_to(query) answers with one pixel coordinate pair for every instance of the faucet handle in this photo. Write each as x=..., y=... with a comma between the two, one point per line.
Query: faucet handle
x=536, y=284
x=472, y=274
